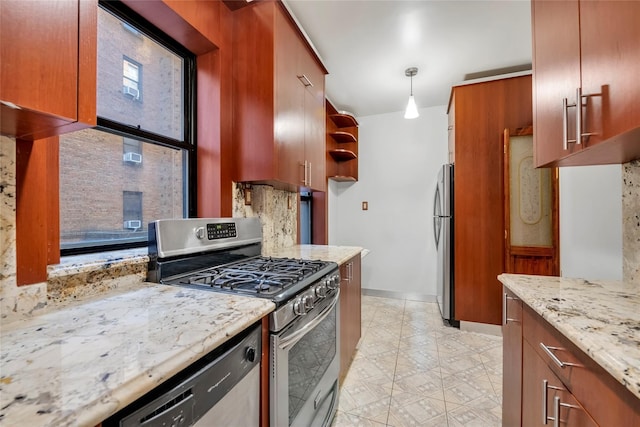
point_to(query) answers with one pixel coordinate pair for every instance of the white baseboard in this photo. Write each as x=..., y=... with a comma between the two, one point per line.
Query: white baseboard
x=399, y=295
x=482, y=328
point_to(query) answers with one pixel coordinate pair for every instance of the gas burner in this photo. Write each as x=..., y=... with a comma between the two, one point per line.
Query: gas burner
x=262, y=276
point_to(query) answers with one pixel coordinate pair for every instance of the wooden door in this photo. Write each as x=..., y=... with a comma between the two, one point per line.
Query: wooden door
x=609, y=37
x=530, y=209
x=556, y=70
x=539, y=397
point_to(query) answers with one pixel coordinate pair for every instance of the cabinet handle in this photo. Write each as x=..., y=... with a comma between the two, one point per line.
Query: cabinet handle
x=505, y=318
x=565, y=124
x=579, y=116
x=545, y=418
x=560, y=363
x=545, y=413
x=304, y=172
x=309, y=173
x=556, y=410
x=305, y=81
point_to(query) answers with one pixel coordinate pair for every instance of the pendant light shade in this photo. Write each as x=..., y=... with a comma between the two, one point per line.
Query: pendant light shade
x=412, y=110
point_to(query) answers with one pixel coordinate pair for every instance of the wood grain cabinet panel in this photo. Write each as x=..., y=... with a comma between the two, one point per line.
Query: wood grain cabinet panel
x=279, y=112
x=482, y=111
x=350, y=311
x=48, y=67
x=591, y=46
x=604, y=398
x=545, y=398
x=512, y=357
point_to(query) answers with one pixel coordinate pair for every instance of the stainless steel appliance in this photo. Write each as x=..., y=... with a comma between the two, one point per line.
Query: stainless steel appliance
x=443, y=234
x=221, y=389
x=223, y=255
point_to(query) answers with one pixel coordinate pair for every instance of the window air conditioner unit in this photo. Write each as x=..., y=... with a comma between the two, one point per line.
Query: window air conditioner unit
x=133, y=224
x=133, y=92
x=133, y=157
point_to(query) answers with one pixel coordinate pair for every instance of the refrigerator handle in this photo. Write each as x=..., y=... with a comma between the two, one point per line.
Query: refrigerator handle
x=436, y=218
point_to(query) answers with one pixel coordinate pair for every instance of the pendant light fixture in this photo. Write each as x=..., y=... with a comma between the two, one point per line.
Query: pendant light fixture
x=412, y=109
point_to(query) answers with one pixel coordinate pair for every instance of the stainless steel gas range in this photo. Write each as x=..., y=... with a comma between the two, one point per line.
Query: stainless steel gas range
x=224, y=255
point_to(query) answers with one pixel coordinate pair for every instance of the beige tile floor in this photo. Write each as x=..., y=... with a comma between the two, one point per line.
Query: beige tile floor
x=411, y=370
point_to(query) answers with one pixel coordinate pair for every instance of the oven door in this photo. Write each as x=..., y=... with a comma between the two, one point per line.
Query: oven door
x=305, y=368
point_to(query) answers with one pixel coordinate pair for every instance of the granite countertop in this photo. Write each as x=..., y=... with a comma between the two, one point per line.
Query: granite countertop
x=602, y=318
x=338, y=254
x=80, y=364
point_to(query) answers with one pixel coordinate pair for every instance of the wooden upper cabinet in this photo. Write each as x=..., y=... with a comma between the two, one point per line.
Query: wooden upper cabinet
x=556, y=76
x=48, y=67
x=278, y=100
x=591, y=47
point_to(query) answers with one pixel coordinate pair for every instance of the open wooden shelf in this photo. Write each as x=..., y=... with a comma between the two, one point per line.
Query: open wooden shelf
x=343, y=137
x=341, y=145
x=340, y=154
x=343, y=120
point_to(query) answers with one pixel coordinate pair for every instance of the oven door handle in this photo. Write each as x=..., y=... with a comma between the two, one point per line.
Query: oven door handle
x=291, y=340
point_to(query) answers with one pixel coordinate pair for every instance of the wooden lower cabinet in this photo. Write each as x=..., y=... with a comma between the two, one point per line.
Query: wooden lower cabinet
x=350, y=312
x=512, y=356
x=545, y=397
x=536, y=387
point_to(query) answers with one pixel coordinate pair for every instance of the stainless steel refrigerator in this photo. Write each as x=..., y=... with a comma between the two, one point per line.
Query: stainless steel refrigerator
x=443, y=233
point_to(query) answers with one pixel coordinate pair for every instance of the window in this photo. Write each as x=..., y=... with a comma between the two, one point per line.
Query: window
x=108, y=194
x=131, y=78
x=132, y=209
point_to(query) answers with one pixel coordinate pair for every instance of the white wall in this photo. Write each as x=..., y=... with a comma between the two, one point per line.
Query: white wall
x=591, y=222
x=398, y=164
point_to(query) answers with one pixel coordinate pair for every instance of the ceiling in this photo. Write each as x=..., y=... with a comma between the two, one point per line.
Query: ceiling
x=367, y=44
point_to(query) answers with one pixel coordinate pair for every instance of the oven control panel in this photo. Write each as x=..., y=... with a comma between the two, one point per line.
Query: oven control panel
x=217, y=231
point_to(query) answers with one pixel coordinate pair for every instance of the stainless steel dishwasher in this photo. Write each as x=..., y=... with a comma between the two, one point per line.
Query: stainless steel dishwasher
x=221, y=389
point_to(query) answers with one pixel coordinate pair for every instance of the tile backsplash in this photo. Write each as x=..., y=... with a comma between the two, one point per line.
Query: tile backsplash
x=631, y=221
x=277, y=210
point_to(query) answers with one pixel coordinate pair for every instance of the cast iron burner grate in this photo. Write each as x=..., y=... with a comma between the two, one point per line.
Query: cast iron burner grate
x=259, y=275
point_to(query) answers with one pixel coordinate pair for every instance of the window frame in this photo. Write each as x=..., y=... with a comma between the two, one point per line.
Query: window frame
x=188, y=143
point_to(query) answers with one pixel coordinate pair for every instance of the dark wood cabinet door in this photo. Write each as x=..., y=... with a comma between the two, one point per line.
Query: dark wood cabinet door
x=48, y=67
x=314, y=121
x=512, y=359
x=544, y=397
x=610, y=51
x=350, y=311
x=289, y=117
x=556, y=76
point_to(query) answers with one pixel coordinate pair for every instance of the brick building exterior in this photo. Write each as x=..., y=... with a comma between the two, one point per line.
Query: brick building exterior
x=102, y=188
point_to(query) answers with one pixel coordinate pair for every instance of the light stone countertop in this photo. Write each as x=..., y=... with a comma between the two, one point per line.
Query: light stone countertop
x=338, y=254
x=602, y=318
x=80, y=364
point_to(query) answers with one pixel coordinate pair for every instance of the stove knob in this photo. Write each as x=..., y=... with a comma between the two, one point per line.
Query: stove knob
x=308, y=301
x=299, y=307
x=332, y=283
x=200, y=233
x=336, y=280
x=321, y=290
